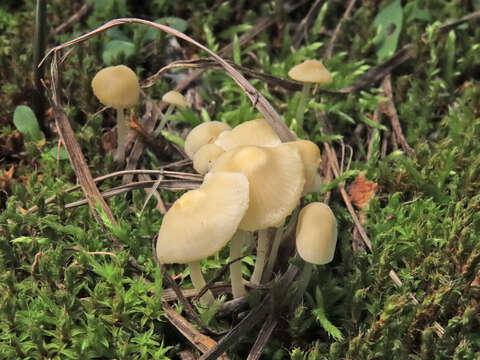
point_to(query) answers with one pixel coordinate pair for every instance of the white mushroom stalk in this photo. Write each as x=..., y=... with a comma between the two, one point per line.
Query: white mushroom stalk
x=118, y=87
x=173, y=99
x=262, y=251
x=236, y=245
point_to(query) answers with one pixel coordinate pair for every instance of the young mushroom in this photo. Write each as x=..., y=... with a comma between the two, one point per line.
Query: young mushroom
x=316, y=238
x=276, y=180
x=172, y=98
x=117, y=87
x=201, y=222
x=205, y=133
x=308, y=73
x=254, y=132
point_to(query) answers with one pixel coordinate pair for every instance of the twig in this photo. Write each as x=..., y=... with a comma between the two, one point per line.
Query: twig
x=173, y=185
x=72, y=20
x=202, y=342
x=74, y=151
x=335, y=169
x=447, y=27
x=39, y=45
x=302, y=28
x=390, y=110
x=262, y=338
x=346, y=14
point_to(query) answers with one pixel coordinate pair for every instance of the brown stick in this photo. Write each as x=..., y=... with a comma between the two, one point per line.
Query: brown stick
x=346, y=14
x=390, y=110
x=302, y=28
x=262, y=338
x=72, y=20
x=74, y=151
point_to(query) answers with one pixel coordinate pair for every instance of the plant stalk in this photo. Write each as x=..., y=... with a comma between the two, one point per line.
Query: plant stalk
x=262, y=250
x=236, y=244
x=199, y=282
x=164, y=119
x=302, y=104
x=39, y=44
x=121, y=136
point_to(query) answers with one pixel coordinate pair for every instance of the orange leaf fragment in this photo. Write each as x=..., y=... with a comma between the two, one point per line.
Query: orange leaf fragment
x=361, y=191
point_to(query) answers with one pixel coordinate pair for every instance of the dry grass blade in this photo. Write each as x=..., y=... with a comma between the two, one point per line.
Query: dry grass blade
x=346, y=14
x=255, y=97
x=74, y=151
x=262, y=338
x=202, y=342
x=173, y=185
x=302, y=28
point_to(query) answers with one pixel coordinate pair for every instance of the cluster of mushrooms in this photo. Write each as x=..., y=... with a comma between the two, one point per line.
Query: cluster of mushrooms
x=252, y=183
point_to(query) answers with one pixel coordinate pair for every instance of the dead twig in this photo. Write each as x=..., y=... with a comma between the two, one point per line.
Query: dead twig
x=346, y=14
x=74, y=151
x=202, y=342
x=262, y=338
x=389, y=109
x=72, y=20
x=302, y=28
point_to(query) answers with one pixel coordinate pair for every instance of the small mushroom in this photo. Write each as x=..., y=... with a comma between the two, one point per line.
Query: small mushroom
x=205, y=133
x=201, y=222
x=118, y=87
x=308, y=73
x=172, y=98
x=316, y=238
x=254, y=132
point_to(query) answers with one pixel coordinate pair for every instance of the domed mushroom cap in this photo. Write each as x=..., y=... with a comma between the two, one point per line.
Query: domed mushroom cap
x=310, y=71
x=276, y=179
x=205, y=157
x=205, y=133
x=175, y=98
x=254, y=132
x=116, y=86
x=310, y=154
x=202, y=221
x=316, y=233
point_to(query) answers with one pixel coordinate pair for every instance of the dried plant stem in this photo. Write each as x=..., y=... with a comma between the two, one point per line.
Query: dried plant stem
x=39, y=44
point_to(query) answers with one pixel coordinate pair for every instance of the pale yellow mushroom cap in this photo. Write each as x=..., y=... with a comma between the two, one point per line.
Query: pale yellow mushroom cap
x=253, y=132
x=310, y=154
x=310, y=71
x=175, y=98
x=316, y=233
x=276, y=179
x=116, y=86
x=202, y=221
x=205, y=133
x=205, y=157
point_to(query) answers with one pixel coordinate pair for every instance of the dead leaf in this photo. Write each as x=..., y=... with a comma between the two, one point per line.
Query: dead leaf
x=361, y=191
x=5, y=178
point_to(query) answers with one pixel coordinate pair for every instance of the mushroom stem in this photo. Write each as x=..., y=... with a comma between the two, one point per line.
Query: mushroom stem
x=262, y=250
x=199, y=282
x=302, y=103
x=277, y=241
x=164, y=119
x=121, y=136
x=304, y=279
x=236, y=244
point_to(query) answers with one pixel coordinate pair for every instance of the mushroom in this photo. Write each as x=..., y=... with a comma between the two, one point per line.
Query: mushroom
x=276, y=179
x=310, y=154
x=205, y=133
x=118, y=87
x=254, y=132
x=316, y=238
x=308, y=72
x=172, y=98
x=201, y=222
x=205, y=157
